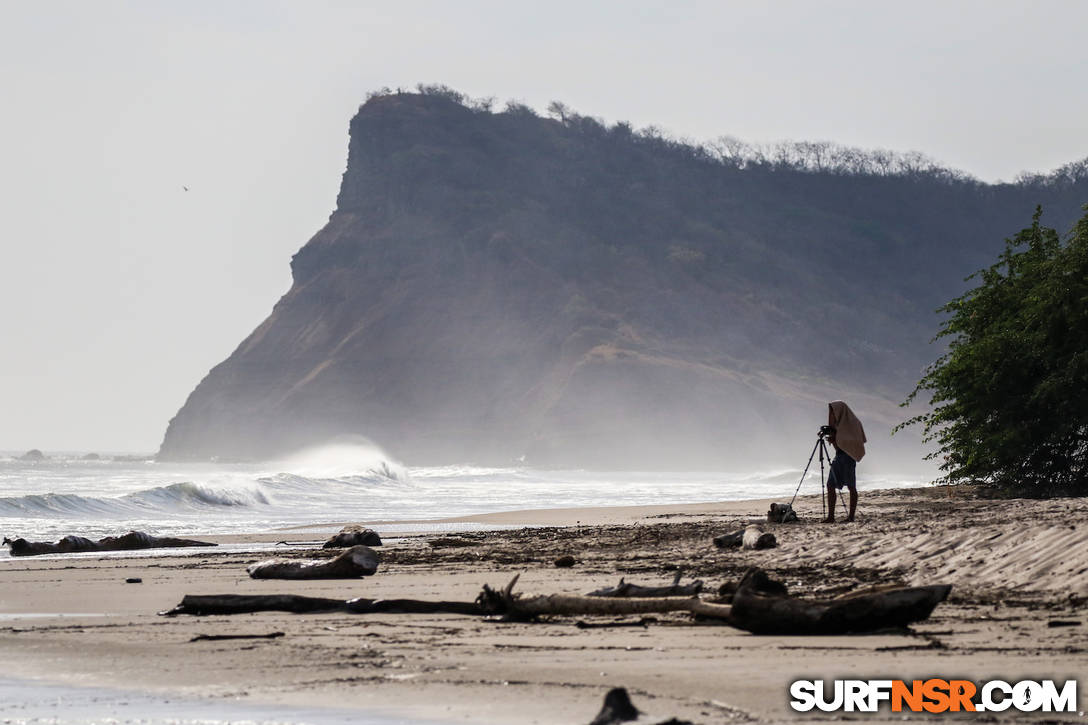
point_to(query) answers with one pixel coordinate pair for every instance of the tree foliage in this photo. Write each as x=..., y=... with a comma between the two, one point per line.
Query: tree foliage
x=1010, y=395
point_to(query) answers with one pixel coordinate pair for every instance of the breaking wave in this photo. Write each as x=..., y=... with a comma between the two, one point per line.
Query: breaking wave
x=165, y=499
x=194, y=494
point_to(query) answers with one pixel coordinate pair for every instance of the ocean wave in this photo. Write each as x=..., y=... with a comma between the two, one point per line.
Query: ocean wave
x=171, y=498
x=195, y=494
x=345, y=457
x=57, y=504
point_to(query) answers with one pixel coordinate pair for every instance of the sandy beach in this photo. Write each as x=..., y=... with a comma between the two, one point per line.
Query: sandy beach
x=1017, y=567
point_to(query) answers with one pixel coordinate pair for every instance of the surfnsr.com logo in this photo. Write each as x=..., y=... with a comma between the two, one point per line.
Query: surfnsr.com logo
x=933, y=695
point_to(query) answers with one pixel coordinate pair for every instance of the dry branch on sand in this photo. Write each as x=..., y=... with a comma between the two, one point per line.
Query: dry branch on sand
x=760, y=605
x=78, y=544
x=355, y=562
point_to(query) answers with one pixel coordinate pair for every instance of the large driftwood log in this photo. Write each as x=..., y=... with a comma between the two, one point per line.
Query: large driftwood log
x=355, y=562
x=201, y=604
x=626, y=589
x=353, y=535
x=78, y=544
x=204, y=604
x=751, y=537
x=760, y=607
x=515, y=606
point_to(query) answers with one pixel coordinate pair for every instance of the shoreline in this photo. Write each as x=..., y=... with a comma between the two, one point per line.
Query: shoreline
x=1029, y=568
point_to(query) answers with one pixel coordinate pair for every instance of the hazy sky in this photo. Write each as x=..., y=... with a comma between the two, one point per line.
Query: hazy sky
x=119, y=290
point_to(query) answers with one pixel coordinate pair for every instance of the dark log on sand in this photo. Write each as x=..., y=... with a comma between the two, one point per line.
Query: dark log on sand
x=759, y=606
x=78, y=544
x=203, y=604
x=751, y=537
x=355, y=562
x=626, y=589
x=221, y=637
x=353, y=535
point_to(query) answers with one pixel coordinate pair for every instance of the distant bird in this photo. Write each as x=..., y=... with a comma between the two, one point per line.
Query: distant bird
x=183, y=186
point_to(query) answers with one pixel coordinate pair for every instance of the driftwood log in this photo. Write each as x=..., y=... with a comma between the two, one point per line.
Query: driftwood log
x=204, y=604
x=751, y=537
x=353, y=535
x=626, y=589
x=518, y=607
x=355, y=562
x=78, y=544
x=761, y=606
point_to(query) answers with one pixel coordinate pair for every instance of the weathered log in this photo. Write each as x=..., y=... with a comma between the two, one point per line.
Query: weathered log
x=626, y=589
x=78, y=544
x=355, y=562
x=730, y=541
x=760, y=610
x=204, y=604
x=353, y=535
x=519, y=607
x=760, y=605
x=756, y=538
x=411, y=606
x=751, y=537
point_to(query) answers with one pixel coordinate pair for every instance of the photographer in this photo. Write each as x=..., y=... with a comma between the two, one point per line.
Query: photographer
x=845, y=433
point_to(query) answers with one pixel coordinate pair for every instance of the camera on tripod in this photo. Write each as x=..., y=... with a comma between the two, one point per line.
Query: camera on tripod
x=826, y=431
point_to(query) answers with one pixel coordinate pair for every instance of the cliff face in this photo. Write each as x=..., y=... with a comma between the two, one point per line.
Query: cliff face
x=493, y=286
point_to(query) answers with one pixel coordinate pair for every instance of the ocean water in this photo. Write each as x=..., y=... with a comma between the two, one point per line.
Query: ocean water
x=47, y=499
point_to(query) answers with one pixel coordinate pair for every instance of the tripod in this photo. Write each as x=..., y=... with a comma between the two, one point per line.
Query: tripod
x=820, y=446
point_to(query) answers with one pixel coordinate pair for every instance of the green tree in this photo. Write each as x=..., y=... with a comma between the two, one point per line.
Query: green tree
x=1009, y=398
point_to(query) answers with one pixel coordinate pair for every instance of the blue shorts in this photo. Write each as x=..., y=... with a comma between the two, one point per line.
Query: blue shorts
x=843, y=472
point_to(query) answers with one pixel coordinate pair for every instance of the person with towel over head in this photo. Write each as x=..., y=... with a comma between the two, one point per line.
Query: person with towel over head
x=848, y=438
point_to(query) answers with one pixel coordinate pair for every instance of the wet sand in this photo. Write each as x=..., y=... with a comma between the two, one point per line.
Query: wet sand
x=1015, y=565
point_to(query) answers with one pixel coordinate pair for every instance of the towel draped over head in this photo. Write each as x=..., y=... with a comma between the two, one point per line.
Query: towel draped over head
x=849, y=435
